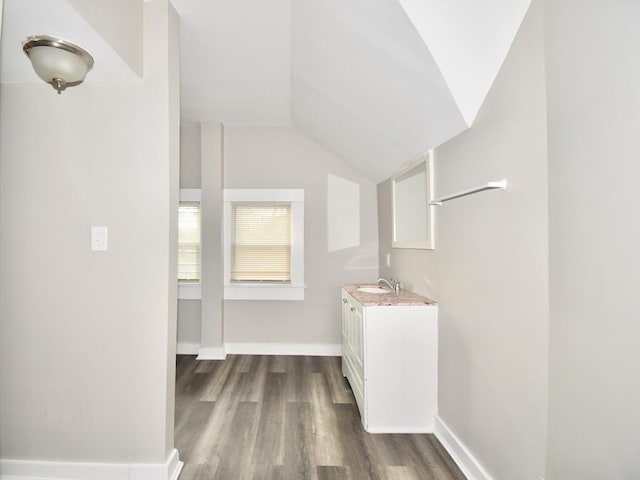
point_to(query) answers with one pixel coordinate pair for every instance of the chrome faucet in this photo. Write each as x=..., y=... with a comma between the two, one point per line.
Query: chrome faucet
x=394, y=285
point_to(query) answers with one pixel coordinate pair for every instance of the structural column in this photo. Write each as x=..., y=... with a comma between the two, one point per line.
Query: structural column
x=211, y=344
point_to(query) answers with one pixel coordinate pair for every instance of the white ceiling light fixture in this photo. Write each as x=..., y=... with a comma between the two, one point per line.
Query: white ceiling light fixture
x=56, y=61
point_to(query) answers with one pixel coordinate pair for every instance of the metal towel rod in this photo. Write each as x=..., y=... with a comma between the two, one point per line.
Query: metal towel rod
x=501, y=185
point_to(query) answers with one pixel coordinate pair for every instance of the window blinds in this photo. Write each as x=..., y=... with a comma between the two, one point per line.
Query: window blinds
x=261, y=242
x=189, y=242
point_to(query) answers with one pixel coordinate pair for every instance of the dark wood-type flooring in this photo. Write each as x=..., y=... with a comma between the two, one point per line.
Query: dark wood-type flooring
x=288, y=418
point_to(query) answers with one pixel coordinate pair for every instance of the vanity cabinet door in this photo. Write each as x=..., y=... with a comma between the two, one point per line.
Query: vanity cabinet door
x=345, y=314
x=348, y=351
x=353, y=346
x=358, y=323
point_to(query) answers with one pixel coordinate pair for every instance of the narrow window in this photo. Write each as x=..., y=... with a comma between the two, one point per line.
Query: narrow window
x=189, y=243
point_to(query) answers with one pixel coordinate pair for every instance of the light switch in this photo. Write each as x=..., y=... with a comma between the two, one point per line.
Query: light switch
x=98, y=238
x=388, y=259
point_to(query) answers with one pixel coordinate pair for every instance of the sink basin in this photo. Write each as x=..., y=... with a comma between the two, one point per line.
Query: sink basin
x=373, y=290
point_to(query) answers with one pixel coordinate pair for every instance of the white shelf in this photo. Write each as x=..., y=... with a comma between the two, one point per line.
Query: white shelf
x=500, y=185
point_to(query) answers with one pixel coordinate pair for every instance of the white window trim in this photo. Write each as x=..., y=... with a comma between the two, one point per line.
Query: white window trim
x=192, y=291
x=255, y=291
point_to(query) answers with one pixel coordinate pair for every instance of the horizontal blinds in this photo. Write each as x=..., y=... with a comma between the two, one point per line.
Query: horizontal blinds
x=261, y=244
x=189, y=242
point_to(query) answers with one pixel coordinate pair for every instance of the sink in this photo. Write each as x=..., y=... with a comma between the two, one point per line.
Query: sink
x=373, y=290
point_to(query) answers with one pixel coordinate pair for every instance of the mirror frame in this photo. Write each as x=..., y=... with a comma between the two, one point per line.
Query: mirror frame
x=429, y=242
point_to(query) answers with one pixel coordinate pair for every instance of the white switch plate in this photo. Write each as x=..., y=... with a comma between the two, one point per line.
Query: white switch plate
x=98, y=238
x=388, y=259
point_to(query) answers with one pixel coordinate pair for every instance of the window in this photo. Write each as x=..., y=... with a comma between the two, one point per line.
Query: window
x=264, y=244
x=189, y=244
x=261, y=242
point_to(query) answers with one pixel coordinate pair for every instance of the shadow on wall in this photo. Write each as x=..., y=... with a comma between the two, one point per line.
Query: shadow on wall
x=343, y=226
x=343, y=213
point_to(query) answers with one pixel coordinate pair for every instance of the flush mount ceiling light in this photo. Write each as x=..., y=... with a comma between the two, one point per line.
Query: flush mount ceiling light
x=56, y=61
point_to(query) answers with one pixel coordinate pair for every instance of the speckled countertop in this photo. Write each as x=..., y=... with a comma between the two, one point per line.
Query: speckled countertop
x=404, y=297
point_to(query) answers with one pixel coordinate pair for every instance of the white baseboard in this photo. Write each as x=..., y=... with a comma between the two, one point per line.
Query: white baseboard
x=211, y=353
x=185, y=348
x=402, y=430
x=47, y=470
x=469, y=465
x=220, y=353
x=311, y=349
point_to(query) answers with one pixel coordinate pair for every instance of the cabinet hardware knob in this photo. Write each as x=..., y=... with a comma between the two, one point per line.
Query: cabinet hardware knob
x=344, y=300
x=353, y=309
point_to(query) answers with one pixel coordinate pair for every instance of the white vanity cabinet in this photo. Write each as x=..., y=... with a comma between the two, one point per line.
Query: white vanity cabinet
x=389, y=356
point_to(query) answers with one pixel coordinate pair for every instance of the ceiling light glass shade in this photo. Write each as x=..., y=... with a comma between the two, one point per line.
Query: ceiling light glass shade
x=57, y=61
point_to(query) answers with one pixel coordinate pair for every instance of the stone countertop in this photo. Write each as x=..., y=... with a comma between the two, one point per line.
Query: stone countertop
x=404, y=297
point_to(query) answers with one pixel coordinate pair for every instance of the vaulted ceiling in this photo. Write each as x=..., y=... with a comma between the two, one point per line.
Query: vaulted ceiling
x=376, y=82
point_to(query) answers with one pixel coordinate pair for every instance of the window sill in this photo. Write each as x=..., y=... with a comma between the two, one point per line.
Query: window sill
x=189, y=291
x=249, y=291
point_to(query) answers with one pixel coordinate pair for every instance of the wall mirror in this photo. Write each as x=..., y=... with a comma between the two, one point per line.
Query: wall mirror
x=413, y=217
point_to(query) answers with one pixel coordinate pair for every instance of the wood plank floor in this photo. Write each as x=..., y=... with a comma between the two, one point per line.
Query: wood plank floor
x=288, y=418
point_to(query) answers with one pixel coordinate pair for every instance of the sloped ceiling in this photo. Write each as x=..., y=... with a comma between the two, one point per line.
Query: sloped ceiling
x=235, y=61
x=376, y=82
x=469, y=40
x=365, y=85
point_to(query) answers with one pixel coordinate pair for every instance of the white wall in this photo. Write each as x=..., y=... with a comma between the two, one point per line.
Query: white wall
x=190, y=156
x=280, y=158
x=546, y=273
x=489, y=269
x=119, y=23
x=87, y=338
x=593, y=90
x=189, y=326
x=284, y=158
x=165, y=17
